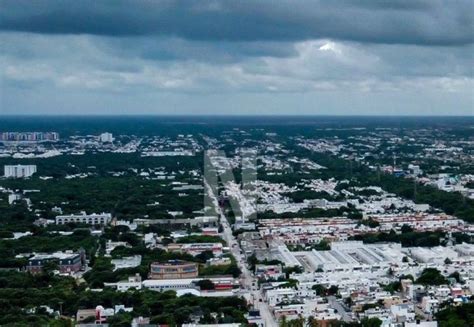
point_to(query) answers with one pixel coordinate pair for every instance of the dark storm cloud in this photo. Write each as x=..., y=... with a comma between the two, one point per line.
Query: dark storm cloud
x=334, y=56
x=401, y=22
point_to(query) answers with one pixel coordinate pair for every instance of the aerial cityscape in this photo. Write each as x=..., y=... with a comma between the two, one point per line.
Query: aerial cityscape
x=212, y=163
x=346, y=222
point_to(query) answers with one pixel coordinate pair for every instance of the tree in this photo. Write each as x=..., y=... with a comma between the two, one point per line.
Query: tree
x=371, y=322
x=290, y=270
x=322, y=246
x=205, y=255
x=121, y=319
x=50, y=266
x=312, y=322
x=290, y=283
x=406, y=229
x=298, y=322
x=372, y=223
x=333, y=290
x=283, y=322
x=431, y=276
x=456, y=316
x=320, y=289
x=456, y=276
x=205, y=285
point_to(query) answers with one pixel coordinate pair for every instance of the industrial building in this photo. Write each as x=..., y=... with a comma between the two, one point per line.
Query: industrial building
x=351, y=255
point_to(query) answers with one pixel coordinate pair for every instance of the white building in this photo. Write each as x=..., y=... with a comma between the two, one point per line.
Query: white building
x=127, y=262
x=282, y=253
x=106, y=138
x=196, y=248
x=422, y=324
x=19, y=171
x=429, y=305
x=161, y=285
x=83, y=218
x=123, y=286
x=434, y=255
x=415, y=169
x=279, y=295
x=14, y=197
x=352, y=256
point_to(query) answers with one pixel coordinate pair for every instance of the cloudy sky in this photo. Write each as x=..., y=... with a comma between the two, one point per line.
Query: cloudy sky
x=407, y=57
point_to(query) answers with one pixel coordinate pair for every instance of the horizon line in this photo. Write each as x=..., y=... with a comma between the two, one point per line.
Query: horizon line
x=8, y=115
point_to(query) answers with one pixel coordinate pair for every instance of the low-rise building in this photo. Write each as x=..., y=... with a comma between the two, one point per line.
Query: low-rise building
x=68, y=262
x=83, y=218
x=222, y=261
x=267, y=272
x=220, y=283
x=19, y=171
x=173, y=269
x=127, y=262
x=429, y=305
x=196, y=248
x=123, y=286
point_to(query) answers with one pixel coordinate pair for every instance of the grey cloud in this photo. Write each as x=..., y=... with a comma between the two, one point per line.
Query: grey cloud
x=137, y=65
x=433, y=22
x=170, y=49
x=169, y=56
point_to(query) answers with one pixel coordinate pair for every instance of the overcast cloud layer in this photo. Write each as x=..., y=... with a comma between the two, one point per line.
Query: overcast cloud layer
x=237, y=57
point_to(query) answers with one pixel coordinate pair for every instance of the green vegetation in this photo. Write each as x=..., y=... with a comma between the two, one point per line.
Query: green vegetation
x=371, y=322
x=431, y=276
x=206, y=285
x=453, y=203
x=406, y=239
x=396, y=286
x=201, y=239
x=113, y=182
x=393, y=287
x=321, y=246
x=102, y=270
x=460, y=316
x=370, y=222
x=231, y=269
x=311, y=213
x=463, y=238
x=47, y=242
x=125, y=197
x=325, y=291
x=26, y=291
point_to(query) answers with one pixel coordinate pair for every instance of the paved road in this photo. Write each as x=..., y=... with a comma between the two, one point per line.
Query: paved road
x=248, y=280
x=346, y=316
